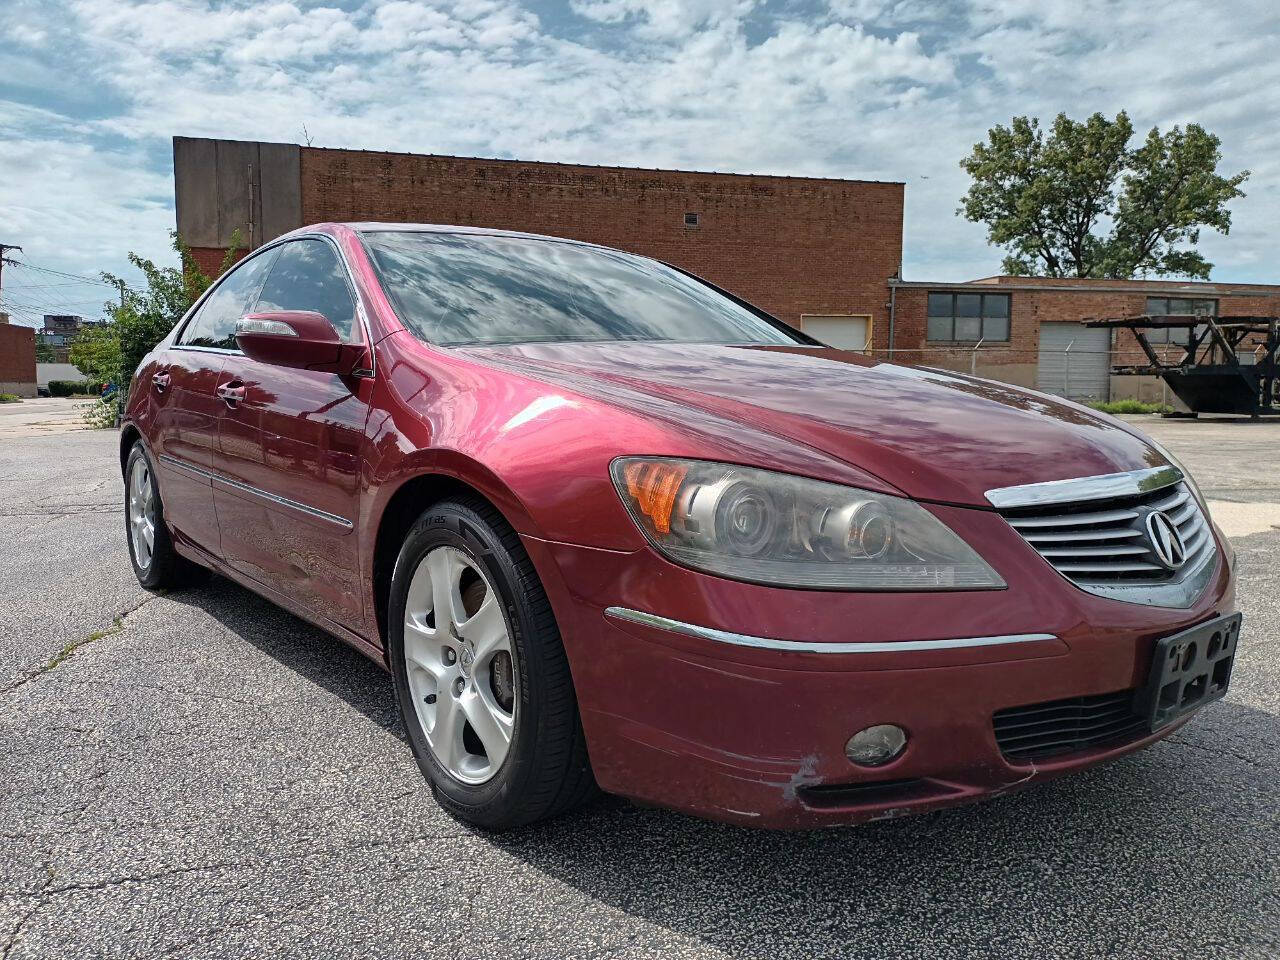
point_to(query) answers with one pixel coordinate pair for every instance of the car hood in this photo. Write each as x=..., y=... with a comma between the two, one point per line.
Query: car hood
x=933, y=434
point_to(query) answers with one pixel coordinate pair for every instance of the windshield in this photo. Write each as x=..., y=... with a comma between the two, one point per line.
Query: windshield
x=454, y=289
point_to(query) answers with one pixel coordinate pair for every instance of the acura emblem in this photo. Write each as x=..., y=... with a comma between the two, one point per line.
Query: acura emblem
x=1165, y=540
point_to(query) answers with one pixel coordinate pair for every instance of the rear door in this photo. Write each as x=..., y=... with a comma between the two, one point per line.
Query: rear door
x=183, y=384
x=289, y=449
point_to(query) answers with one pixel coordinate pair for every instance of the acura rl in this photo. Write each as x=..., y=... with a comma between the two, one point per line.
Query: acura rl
x=610, y=527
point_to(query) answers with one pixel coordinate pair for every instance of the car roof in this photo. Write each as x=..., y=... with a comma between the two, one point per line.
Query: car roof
x=373, y=226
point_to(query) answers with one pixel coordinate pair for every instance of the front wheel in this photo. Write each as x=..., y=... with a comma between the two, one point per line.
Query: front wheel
x=480, y=672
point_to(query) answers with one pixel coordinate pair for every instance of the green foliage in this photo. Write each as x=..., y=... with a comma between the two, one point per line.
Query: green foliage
x=1131, y=406
x=69, y=388
x=96, y=353
x=1046, y=198
x=44, y=353
x=112, y=352
x=10, y=398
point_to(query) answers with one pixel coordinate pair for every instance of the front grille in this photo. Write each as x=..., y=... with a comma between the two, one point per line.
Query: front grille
x=1105, y=541
x=1041, y=730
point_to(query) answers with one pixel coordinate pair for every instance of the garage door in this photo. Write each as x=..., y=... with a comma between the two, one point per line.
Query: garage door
x=847, y=333
x=1075, y=361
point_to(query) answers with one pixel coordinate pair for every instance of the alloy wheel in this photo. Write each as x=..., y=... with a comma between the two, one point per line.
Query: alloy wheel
x=461, y=665
x=142, y=513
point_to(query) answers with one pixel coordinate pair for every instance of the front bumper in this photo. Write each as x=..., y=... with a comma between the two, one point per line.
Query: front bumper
x=755, y=734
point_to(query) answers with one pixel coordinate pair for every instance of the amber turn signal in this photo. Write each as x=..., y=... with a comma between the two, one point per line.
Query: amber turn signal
x=652, y=485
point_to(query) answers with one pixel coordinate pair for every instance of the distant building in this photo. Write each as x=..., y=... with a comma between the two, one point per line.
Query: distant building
x=60, y=331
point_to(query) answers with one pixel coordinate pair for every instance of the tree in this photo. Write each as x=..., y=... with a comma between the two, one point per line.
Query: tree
x=1048, y=199
x=44, y=352
x=111, y=352
x=96, y=353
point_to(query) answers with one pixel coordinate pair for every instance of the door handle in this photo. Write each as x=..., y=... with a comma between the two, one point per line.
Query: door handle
x=160, y=381
x=231, y=392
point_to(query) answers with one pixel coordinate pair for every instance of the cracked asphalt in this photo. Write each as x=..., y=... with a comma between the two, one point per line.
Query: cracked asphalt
x=199, y=774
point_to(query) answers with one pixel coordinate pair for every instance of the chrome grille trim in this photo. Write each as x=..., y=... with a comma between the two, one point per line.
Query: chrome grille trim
x=1107, y=486
x=1099, y=540
x=1076, y=519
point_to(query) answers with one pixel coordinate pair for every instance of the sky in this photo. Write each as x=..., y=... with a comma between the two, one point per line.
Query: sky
x=92, y=91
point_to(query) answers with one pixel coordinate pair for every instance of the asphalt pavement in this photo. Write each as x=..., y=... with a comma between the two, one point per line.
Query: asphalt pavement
x=200, y=774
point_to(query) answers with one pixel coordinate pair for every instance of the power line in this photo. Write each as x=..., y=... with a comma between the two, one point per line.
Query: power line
x=37, y=298
x=53, y=301
x=40, y=291
x=60, y=273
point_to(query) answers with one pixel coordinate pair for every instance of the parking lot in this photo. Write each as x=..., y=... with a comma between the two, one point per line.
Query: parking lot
x=203, y=775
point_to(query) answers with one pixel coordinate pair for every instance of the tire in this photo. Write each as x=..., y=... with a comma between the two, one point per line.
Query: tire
x=156, y=564
x=458, y=672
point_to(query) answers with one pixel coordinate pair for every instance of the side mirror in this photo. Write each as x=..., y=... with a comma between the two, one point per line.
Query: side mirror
x=301, y=339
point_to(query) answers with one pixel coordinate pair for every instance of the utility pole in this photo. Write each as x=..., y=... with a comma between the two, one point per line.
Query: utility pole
x=5, y=248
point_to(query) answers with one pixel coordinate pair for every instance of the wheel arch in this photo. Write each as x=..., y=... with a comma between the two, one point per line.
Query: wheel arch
x=413, y=495
x=129, y=435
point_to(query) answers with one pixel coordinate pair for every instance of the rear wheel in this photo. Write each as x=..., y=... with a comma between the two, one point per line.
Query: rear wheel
x=155, y=563
x=480, y=672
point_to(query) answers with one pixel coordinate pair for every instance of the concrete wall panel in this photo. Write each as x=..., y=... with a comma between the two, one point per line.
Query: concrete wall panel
x=227, y=185
x=195, y=166
x=279, y=190
x=237, y=162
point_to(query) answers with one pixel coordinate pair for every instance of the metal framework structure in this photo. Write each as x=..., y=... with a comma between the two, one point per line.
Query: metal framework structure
x=1229, y=364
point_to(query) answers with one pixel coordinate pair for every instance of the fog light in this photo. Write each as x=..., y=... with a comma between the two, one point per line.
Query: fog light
x=876, y=746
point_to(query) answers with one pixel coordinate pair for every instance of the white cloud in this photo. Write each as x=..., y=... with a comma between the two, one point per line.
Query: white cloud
x=878, y=89
x=664, y=19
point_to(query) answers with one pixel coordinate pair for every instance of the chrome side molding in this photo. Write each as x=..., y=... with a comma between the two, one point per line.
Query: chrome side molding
x=804, y=646
x=258, y=492
x=1102, y=487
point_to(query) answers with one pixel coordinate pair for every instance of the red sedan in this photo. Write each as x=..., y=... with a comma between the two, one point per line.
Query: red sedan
x=609, y=526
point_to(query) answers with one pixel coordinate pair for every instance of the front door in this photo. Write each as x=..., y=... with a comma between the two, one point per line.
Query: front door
x=289, y=450
x=183, y=384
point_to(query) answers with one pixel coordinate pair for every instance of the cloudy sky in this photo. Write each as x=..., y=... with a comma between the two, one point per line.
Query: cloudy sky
x=91, y=91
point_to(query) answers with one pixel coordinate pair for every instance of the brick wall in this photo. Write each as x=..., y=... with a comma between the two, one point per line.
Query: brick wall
x=17, y=360
x=209, y=259
x=791, y=245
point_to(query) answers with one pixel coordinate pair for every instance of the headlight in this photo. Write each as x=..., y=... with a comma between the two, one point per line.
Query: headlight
x=776, y=529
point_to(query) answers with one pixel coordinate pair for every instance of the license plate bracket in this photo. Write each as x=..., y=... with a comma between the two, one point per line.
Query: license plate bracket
x=1188, y=670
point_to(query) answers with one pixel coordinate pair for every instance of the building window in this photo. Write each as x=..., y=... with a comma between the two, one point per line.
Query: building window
x=691, y=219
x=1177, y=306
x=968, y=317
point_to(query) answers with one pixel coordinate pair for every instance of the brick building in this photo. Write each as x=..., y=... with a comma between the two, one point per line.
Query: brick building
x=821, y=254
x=17, y=360
x=817, y=253
x=1029, y=330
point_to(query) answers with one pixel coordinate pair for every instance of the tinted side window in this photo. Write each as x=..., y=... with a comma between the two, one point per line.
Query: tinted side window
x=308, y=276
x=215, y=324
